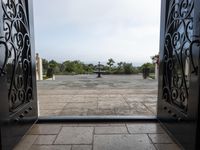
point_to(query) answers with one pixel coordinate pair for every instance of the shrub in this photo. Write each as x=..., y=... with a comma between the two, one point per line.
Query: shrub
x=128, y=68
x=50, y=72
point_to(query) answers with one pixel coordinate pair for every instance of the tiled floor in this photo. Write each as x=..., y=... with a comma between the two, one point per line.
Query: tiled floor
x=97, y=136
x=85, y=95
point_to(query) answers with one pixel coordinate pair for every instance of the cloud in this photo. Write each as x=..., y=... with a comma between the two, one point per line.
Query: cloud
x=97, y=29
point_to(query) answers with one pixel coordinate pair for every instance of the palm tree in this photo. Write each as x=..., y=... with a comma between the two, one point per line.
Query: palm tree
x=110, y=62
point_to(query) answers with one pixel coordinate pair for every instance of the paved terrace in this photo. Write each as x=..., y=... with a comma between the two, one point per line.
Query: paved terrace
x=85, y=95
x=97, y=136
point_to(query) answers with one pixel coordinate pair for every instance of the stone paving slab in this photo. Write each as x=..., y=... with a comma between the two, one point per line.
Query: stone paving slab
x=144, y=128
x=84, y=95
x=82, y=147
x=97, y=136
x=45, y=129
x=50, y=147
x=122, y=142
x=75, y=135
x=26, y=142
x=167, y=147
x=111, y=130
x=160, y=139
x=45, y=139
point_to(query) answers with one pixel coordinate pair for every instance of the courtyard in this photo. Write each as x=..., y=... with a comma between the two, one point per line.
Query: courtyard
x=86, y=95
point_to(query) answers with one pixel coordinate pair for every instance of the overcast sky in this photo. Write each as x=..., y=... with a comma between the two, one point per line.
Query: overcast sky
x=95, y=30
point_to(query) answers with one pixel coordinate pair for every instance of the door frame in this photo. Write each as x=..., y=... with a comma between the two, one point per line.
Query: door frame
x=14, y=124
x=172, y=121
x=3, y=90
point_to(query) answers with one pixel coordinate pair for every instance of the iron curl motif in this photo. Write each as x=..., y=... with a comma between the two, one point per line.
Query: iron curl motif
x=178, y=54
x=17, y=62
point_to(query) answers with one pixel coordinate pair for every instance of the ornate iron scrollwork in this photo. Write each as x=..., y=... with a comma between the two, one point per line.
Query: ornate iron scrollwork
x=178, y=55
x=17, y=62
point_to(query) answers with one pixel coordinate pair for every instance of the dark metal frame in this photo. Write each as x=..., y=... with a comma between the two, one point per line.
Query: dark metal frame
x=14, y=124
x=170, y=118
x=56, y=119
x=182, y=125
x=166, y=112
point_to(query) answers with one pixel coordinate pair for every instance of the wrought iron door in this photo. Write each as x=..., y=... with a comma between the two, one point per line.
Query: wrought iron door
x=178, y=102
x=18, y=101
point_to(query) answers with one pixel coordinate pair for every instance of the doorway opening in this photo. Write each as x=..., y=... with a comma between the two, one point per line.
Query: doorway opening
x=72, y=37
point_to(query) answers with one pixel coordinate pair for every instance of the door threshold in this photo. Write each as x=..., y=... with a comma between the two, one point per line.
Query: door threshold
x=57, y=119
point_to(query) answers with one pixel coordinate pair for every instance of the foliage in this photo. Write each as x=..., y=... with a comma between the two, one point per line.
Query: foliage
x=50, y=72
x=146, y=69
x=45, y=65
x=78, y=67
x=128, y=68
x=110, y=62
x=150, y=66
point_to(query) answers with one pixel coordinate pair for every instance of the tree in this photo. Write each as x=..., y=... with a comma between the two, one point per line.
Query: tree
x=45, y=65
x=68, y=66
x=120, y=65
x=55, y=66
x=128, y=68
x=78, y=67
x=110, y=63
x=50, y=72
x=119, y=69
x=150, y=66
x=88, y=68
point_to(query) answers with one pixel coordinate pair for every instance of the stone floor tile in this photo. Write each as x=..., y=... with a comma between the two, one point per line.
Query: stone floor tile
x=83, y=99
x=45, y=139
x=106, y=124
x=111, y=98
x=145, y=113
x=160, y=138
x=125, y=111
x=100, y=112
x=90, y=105
x=69, y=124
x=134, y=98
x=49, y=112
x=112, y=104
x=75, y=135
x=50, y=147
x=152, y=106
x=144, y=128
x=53, y=106
x=122, y=142
x=26, y=142
x=137, y=106
x=45, y=129
x=55, y=96
x=81, y=147
x=103, y=96
x=167, y=147
x=111, y=130
x=88, y=89
x=91, y=96
x=74, y=112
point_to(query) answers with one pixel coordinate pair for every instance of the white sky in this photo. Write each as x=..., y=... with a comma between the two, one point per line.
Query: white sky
x=95, y=30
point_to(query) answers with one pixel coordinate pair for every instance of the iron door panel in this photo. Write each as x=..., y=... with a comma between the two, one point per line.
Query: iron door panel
x=178, y=97
x=18, y=97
